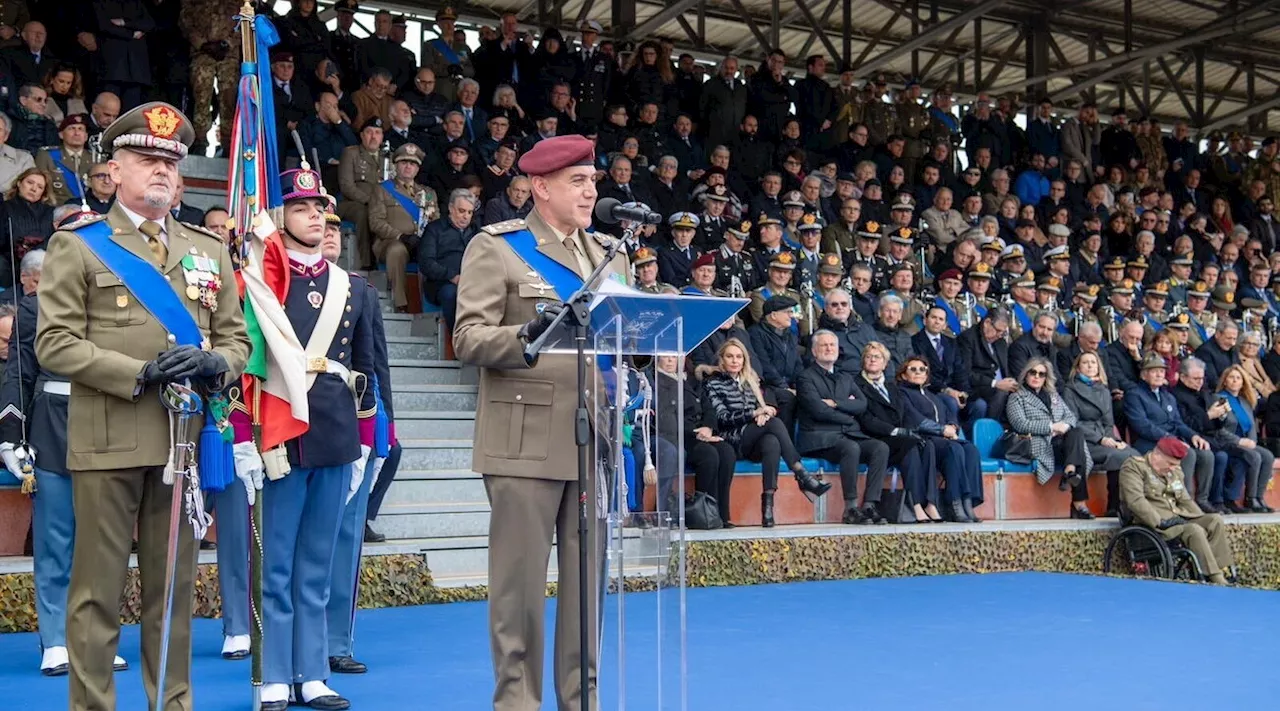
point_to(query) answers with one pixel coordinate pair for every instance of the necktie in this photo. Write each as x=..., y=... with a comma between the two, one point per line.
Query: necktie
x=284, y=86
x=471, y=134
x=626, y=188
x=884, y=393
x=584, y=264
x=937, y=346
x=152, y=231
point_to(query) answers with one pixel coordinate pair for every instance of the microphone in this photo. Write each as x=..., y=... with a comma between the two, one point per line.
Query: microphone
x=611, y=212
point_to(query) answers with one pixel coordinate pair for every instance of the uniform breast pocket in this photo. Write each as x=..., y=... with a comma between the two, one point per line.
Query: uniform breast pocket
x=94, y=426
x=539, y=294
x=518, y=419
x=112, y=305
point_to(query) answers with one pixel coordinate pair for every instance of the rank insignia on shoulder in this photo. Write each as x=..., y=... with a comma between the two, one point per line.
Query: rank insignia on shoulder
x=501, y=228
x=84, y=218
x=202, y=230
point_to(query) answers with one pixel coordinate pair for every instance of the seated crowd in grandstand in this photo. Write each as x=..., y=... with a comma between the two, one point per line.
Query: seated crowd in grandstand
x=912, y=266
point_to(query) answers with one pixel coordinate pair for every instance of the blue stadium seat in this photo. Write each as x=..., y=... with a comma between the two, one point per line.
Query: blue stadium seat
x=986, y=435
x=8, y=481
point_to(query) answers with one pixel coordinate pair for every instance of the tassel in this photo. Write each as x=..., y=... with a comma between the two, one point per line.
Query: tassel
x=29, y=485
x=217, y=465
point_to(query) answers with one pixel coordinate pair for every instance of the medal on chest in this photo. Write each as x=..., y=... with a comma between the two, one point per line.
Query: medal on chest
x=201, y=274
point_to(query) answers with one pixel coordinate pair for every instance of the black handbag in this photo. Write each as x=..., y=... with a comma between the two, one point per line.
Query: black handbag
x=701, y=512
x=895, y=504
x=1017, y=448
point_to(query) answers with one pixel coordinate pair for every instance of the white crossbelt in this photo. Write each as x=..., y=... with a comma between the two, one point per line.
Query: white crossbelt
x=57, y=387
x=332, y=367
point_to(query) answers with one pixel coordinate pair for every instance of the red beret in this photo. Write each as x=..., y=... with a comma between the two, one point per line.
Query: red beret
x=552, y=154
x=951, y=274
x=74, y=120
x=706, y=259
x=1173, y=447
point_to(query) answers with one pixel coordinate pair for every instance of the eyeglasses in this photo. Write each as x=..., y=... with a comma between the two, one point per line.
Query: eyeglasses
x=99, y=176
x=1036, y=373
x=917, y=369
x=838, y=304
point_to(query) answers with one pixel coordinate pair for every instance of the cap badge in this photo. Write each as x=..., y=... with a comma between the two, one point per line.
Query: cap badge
x=305, y=181
x=162, y=121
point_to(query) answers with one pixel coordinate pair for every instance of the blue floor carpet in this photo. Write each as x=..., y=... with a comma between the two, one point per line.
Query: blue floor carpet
x=1008, y=641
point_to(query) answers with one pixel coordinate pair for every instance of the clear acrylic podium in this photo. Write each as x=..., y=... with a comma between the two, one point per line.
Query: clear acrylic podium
x=639, y=342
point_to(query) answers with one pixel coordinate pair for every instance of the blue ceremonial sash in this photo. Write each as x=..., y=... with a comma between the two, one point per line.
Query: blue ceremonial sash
x=409, y=205
x=73, y=180
x=1024, y=319
x=1204, y=335
x=693, y=291
x=144, y=281
x=953, y=319
x=446, y=51
x=1154, y=324
x=563, y=280
x=980, y=310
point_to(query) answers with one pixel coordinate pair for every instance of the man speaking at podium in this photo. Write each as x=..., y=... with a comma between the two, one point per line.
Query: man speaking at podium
x=514, y=278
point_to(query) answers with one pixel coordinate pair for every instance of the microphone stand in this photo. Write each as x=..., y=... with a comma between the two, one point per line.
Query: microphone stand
x=578, y=307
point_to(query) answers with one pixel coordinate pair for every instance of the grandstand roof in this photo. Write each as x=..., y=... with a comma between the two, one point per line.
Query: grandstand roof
x=1230, y=50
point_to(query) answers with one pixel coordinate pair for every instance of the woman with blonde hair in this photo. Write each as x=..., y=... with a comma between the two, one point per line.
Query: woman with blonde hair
x=1037, y=412
x=745, y=420
x=1088, y=395
x=26, y=218
x=1250, y=351
x=1234, y=387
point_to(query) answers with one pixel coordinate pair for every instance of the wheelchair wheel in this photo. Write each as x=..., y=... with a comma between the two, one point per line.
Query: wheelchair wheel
x=1140, y=552
x=1186, y=566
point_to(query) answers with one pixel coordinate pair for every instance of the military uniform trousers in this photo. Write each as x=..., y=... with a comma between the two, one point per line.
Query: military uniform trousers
x=302, y=512
x=107, y=505
x=204, y=70
x=1206, y=536
x=231, y=511
x=525, y=515
x=357, y=213
x=53, y=535
x=343, y=592
x=395, y=255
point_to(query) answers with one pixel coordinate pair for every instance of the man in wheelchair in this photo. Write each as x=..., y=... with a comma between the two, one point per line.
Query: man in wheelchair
x=1151, y=488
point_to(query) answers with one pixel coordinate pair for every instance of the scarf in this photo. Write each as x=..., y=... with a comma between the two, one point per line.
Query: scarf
x=1242, y=411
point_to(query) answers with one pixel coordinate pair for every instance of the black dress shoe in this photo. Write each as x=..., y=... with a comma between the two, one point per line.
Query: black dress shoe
x=1256, y=505
x=853, y=517
x=208, y=545
x=729, y=524
x=1207, y=507
x=325, y=703
x=1082, y=514
x=871, y=514
x=236, y=655
x=372, y=536
x=346, y=665
x=59, y=670
x=1231, y=506
x=274, y=706
x=1068, y=481
x=1111, y=513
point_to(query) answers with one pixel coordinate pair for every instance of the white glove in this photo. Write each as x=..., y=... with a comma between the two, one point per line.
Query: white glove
x=377, y=469
x=248, y=469
x=11, y=460
x=357, y=471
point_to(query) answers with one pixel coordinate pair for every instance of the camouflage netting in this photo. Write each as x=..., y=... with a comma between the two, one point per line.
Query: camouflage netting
x=400, y=580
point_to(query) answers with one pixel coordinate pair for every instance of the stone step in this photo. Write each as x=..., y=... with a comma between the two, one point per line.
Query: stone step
x=466, y=558
x=445, y=424
x=378, y=278
x=457, y=486
x=398, y=325
x=432, y=398
x=412, y=347
x=435, y=520
x=406, y=371
x=435, y=454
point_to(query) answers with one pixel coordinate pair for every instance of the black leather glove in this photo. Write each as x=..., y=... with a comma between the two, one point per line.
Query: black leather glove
x=1171, y=522
x=182, y=362
x=531, y=330
x=152, y=374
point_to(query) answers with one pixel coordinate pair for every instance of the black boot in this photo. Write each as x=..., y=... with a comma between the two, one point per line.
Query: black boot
x=1257, y=505
x=766, y=509
x=810, y=485
x=957, y=513
x=967, y=503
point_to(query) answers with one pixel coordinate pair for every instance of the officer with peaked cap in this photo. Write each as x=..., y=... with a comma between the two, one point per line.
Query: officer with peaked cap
x=67, y=164
x=399, y=210
x=675, y=260
x=644, y=262
x=326, y=311
x=97, y=328
x=514, y=278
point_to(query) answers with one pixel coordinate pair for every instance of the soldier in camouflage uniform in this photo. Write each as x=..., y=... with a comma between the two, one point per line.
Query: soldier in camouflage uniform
x=1266, y=167
x=849, y=102
x=1228, y=169
x=881, y=118
x=215, y=56
x=913, y=121
x=644, y=261
x=442, y=52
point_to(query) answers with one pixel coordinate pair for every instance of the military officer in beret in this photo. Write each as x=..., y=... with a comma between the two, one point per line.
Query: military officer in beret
x=958, y=307
x=67, y=164
x=399, y=210
x=97, y=329
x=702, y=277
x=359, y=174
x=779, y=284
x=526, y=451
x=736, y=273
x=450, y=60
x=302, y=510
x=644, y=262
x=676, y=259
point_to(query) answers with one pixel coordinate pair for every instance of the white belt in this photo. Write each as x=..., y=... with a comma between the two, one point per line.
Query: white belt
x=57, y=387
x=330, y=366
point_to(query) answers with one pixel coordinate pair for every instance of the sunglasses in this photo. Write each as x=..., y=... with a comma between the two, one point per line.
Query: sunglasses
x=917, y=369
x=1036, y=373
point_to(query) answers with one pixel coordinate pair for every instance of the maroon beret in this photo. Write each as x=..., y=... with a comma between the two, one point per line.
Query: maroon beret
x=1173, y=447
x=706, y=259
x=74, y=120
x=559, y=152
x=951, y=274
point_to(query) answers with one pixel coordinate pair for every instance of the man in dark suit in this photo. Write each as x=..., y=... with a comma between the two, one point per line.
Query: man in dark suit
x=946, y=364
x=183, y=212
x=686, y=148
x=1219, y=352
x=986, y=353
x=885, y=419
x=723, y=105
x=829, y=403
x=1192, y=193
x=29, y=63
x=1123, y=358
x=1152, y=413
x=1264, y=227
x=1037, y=342
x=292, y=99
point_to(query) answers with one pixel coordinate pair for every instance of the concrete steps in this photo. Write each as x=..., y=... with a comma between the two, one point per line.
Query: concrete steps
x=412, y=347
x=407, y=371
x=433, y=454
x=417, y=424
x=434, y=398
x=438, y=486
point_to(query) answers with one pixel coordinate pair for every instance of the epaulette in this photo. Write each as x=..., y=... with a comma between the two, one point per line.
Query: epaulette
x=605, y=239
x=502, y=228
x=85, y=218
x=202, y=230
